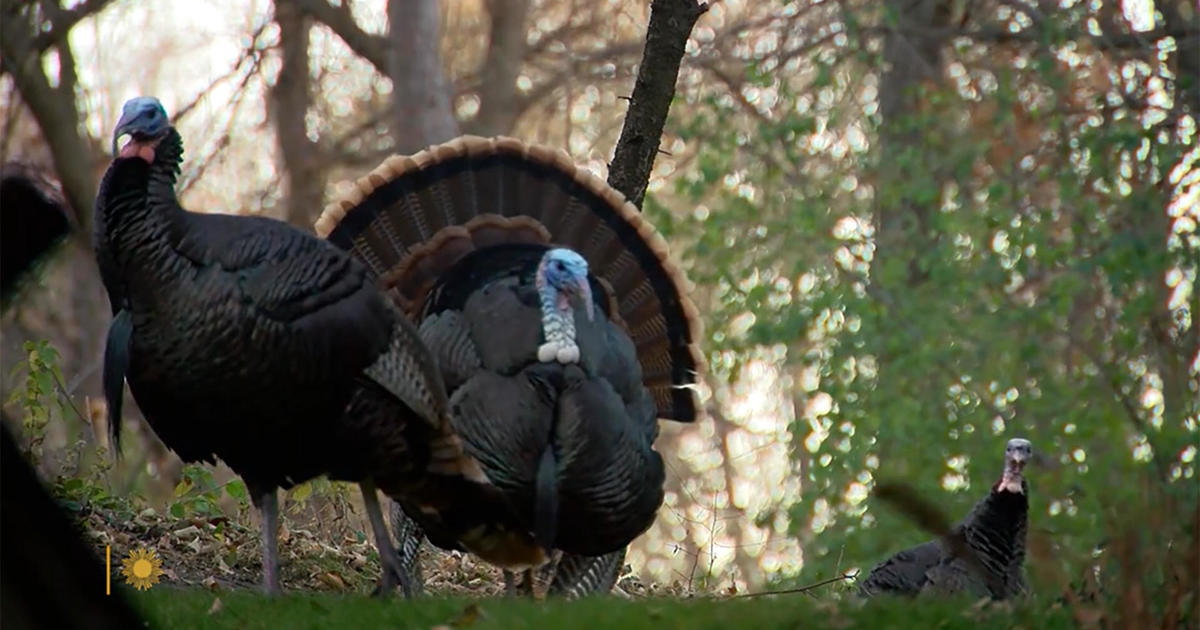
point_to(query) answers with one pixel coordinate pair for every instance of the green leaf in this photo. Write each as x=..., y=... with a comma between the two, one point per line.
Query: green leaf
x=236, y=489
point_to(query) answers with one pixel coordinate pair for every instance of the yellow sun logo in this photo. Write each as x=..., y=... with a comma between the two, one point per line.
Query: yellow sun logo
x=142, y=568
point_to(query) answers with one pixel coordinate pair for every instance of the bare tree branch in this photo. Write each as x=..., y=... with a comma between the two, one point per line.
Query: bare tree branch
x=62, y=21
x=671, y=23
x=373, y=48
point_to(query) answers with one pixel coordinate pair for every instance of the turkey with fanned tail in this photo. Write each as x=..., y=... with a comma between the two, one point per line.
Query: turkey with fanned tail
x=563, y=332
x=990, y=554
x=245, y=339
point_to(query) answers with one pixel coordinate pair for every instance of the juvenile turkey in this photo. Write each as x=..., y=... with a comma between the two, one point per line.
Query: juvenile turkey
x=245, y=339
x=562, y=330
x=994, y=535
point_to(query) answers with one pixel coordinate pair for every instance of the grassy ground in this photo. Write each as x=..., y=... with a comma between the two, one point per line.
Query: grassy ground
x=245, y=610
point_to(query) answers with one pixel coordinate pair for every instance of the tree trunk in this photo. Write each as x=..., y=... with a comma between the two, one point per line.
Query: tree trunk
x=291, y=98
x=421, y=96
x=912, y=50
x=498, y=102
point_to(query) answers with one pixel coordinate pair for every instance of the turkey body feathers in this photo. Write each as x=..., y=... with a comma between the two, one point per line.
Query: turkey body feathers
x=594, y=417
x=241, y=327
x=994, y=532
x=254, y=342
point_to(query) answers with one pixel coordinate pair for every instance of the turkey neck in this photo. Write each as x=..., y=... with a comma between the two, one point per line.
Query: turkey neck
x=139, y=222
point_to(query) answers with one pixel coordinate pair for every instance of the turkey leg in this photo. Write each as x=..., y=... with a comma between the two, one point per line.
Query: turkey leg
x=525, y=588
x=267, y=503
x=393, y=571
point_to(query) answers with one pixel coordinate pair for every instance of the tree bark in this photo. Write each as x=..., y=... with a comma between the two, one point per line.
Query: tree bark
x=422, y=112
x=499, y=104
x=291, y=98
x=671, y=23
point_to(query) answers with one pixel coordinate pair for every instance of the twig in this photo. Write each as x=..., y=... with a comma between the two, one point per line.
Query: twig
x=801, y=589
x=62, y=391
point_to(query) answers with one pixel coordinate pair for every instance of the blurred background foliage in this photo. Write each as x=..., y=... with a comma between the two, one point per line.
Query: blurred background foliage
x=917, y=228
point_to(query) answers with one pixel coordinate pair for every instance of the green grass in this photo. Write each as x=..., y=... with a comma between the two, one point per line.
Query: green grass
x=245, y=610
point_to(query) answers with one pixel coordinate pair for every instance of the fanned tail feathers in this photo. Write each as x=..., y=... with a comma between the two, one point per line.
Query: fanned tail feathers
x=414, y=216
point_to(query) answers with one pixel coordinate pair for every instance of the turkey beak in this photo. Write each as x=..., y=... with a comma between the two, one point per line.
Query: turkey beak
x=123, y=128
x=583, y=292
x=1017, y=460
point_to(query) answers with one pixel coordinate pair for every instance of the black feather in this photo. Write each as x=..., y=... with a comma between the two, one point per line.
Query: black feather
x=546, y=501
x=116, y=366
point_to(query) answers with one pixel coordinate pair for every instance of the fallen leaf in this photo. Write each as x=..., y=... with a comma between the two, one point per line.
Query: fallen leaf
x=216, y=606
x=190, y=530
x=333, y=580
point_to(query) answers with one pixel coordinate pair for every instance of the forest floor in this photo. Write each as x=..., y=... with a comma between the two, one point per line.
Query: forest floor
x=211, y=574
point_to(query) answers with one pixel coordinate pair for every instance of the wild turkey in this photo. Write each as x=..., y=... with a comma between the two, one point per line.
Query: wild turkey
x=561, y=327
x=245, y=339
x=994, y=536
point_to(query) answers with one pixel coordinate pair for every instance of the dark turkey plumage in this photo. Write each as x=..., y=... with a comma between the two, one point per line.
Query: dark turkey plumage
x=562, y=330
x=994, y=535
x=245, y=339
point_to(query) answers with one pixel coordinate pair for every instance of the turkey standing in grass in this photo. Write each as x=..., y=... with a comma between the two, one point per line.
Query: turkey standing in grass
x=563, y=333
x=245, y=339
x=994, y=533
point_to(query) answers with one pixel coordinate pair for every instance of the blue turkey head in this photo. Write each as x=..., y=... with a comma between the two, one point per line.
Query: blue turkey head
x=566, y=273
x=143, y=119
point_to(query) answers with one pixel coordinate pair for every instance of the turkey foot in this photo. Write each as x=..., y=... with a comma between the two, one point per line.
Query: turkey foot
x=393, y=571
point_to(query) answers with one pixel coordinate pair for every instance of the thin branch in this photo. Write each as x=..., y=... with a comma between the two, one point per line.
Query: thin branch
x=61, y=23
x=801, y=589
x=373, y=48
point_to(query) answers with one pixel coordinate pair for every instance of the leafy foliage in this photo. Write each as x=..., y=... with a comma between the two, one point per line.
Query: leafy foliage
x=198, y=493
x=40, y=398
x=1008, y=258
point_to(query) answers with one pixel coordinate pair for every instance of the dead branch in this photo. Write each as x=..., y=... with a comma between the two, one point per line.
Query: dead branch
x=801, y=589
